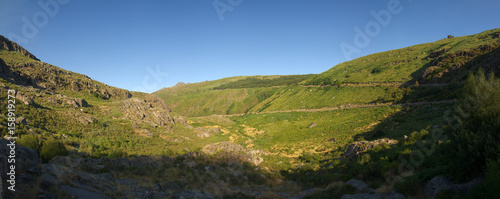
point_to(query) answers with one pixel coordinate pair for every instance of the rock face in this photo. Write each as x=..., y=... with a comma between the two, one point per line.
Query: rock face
x=441, y=183
x=360, y=147
x=27, y=170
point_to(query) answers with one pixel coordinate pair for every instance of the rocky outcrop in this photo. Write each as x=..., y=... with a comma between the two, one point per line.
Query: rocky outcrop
x=142, y=111
x=203, y=132
x=77, y=102
x=22, y=120
x=359, y=147
x=180, y=120
x=6, y=44
x=24, y=98
x=253, y=156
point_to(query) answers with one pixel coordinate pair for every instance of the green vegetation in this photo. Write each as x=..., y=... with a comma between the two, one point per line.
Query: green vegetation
x=265, y=81
x=300, y=125
x=477, y=135
x=52, y=148
x=424, y=63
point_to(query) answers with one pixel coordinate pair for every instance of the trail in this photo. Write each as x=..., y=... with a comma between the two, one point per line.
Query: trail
x=349, y=106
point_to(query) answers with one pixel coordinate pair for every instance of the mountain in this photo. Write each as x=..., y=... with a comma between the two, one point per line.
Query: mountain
x=387, y=125
x=444, y=62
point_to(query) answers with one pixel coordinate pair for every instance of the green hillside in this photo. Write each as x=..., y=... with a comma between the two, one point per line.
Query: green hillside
x=445, y=60
x=394, y=120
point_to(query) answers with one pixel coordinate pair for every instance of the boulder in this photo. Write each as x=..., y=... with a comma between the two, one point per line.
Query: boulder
x=359, y=147
x=180, y=120
x=22, y=120
x=77, y=102
x=441, y=183
x=252, y=156
x=359, y=185
x=436, y=185
x=24, y=98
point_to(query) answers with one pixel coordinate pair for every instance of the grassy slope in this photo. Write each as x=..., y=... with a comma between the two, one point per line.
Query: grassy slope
x=403, y=65
x=202, y=99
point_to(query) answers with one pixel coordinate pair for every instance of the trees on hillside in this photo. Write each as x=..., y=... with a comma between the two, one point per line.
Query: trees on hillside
x=476, y=136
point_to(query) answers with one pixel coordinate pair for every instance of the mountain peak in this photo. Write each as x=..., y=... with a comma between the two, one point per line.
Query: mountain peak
x=6, y=44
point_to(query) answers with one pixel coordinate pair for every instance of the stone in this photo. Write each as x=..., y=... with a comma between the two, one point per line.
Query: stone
x=22, y=120
x=359, y=147
x=313, y=125
x=359, y=185
x=441, y=183
x=27, y=100
x=436, y=185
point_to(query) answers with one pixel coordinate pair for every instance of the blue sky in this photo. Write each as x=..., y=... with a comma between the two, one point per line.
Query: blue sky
x=147, y=45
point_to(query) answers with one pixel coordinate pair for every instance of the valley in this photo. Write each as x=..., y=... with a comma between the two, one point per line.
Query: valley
x=280, y=136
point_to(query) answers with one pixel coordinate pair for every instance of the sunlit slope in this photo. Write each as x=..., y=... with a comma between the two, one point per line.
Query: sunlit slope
x=232, y=95
x=424, y=63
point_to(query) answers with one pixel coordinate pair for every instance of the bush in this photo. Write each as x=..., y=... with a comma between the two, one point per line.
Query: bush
x=30, y=141
x=477, y=135
x=52, y=148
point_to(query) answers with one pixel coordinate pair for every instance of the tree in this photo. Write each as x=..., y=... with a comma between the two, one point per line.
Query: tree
x=450, y=36
x=52, y=148
x=30, y=141
x=477, y=135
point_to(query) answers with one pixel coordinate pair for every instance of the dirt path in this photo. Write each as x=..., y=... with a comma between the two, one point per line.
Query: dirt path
x=349, y=106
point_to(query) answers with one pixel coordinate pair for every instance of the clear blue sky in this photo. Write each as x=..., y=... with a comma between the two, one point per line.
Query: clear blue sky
x=115, y=42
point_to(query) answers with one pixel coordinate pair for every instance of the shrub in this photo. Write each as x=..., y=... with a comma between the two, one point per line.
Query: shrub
x=30, y=141
x=52, y=148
